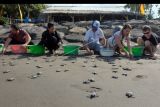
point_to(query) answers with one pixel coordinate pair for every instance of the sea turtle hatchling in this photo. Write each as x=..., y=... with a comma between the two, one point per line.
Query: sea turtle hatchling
x=34, y=76
x=7, y=71
x=129, y=94
x=10, y=79
x=115, y=77
x=39, y=73
x=91, y=80
x=93, y=95
x=125, y=74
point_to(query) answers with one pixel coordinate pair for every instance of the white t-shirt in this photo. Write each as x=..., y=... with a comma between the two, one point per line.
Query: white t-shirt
x=112, y=41
x=95, y=36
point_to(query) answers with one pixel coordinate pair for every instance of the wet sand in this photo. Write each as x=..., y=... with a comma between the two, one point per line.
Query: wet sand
x=61, y=81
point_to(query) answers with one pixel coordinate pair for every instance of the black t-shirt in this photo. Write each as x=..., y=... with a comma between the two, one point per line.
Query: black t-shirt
x=46, y=35
x=152, y=39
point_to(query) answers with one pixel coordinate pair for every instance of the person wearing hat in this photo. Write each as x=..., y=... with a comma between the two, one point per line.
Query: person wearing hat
x=149, y=41
x=94, y=38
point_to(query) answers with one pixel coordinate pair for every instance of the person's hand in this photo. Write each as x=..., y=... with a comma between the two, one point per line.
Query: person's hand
x=4, y=51
x=24, y=45
x=130, y=56
x=91, y=53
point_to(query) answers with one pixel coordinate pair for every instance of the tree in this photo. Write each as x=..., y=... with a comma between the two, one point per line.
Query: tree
x=14, y=11
x=135, y=8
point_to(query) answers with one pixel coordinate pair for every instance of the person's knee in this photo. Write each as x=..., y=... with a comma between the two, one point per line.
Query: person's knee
x=97, y=47
x=139, y=41
x=147, y=43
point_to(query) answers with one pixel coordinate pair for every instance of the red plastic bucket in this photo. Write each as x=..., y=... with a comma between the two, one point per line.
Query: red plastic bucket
x=17, y=49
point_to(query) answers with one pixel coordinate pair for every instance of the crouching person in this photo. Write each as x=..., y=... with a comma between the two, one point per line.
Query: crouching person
x=50, y=39
x=94, y=38
x=116, y=41
x=149, y=41
x=17, y=36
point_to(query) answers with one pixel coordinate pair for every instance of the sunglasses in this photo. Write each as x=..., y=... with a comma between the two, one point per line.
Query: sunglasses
x=146, y=33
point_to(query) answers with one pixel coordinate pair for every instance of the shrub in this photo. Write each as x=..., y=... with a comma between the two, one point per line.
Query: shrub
x=4, y=21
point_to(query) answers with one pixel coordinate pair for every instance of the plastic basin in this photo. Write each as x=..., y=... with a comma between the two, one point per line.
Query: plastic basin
x=137, y=51
x=1, y=47
x=106, y=52
x=18, y=49
x=36, y=49
x=71, y=49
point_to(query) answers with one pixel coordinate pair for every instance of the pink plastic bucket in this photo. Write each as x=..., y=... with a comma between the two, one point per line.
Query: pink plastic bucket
x=17, y=49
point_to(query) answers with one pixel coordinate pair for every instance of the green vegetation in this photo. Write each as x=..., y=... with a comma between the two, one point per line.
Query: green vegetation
x=135, y=8
x=12, y=10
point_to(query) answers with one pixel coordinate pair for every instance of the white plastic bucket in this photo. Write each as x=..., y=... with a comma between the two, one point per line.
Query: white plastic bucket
x=106, y=51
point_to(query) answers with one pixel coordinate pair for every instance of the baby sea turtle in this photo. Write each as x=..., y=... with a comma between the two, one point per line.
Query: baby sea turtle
x=66, y=70
x=115, y=71
x=38, y=66
x=129, y=94
x=94, y=73
x=91, y=80
x=125, y=74
x=93, y=95
x=39, y=73
x=127, y=69
x=34, y=76
x=95, y=66
x=115, y=77
x=86, y=82
x=62, y=64
x=10, y=79
x=58, y=71
x=7, y=71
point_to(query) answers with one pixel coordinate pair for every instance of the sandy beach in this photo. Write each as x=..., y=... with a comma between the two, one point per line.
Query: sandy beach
x=60, y=83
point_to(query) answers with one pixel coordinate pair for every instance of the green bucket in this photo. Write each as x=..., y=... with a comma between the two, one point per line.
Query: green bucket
x=1, y=47
x=137, y=51
x=36, y=49
x=71, y=49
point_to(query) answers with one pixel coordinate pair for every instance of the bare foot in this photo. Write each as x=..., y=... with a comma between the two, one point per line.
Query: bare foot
x=153, y=57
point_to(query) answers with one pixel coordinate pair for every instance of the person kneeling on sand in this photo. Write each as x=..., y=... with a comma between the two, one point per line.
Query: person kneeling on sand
x=149, y=41
x=50, y=39
x=94, y=38
x=115, y=42
x=17, y=36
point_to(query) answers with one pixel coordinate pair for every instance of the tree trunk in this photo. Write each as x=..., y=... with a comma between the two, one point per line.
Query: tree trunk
x=1, y=12
x=20, y=12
